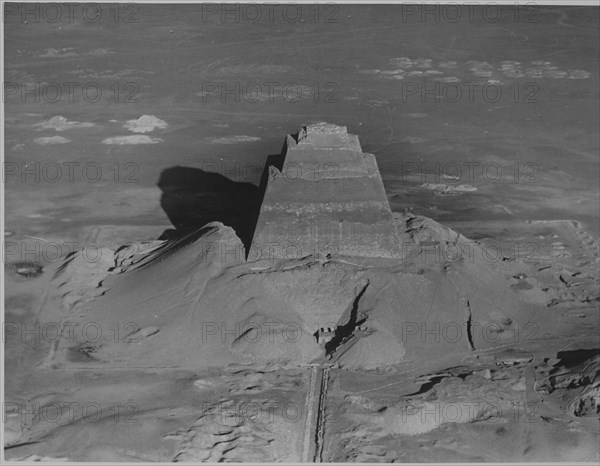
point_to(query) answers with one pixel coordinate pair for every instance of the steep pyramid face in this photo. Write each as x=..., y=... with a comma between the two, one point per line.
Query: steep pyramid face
x=328, y=198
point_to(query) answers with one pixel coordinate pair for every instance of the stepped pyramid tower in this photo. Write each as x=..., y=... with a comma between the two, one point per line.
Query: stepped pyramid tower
x=327, y=198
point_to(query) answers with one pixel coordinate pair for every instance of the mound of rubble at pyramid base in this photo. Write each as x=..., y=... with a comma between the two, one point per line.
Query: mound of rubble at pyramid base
x=187, y=308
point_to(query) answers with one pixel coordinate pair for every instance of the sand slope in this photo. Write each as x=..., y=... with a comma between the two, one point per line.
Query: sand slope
x=195, y=303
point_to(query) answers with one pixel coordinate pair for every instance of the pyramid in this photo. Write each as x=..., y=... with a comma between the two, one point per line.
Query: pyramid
x=328, y=198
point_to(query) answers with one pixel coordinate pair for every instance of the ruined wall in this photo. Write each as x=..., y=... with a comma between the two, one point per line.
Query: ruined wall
x=328, y=198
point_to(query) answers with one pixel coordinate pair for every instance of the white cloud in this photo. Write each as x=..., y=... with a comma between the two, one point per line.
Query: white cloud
x=131, y=140
x=51, y=140
x=233, y=139
x=145, y=124
x=60, y=123
x=59, y=53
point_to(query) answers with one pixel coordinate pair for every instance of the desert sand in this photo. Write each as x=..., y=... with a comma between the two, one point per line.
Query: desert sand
x=440, y=303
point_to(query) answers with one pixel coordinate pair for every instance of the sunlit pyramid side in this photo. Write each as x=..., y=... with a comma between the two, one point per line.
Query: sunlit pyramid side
x=328, y=198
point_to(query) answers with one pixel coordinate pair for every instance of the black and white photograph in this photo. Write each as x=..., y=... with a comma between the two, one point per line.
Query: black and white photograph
x=300, y=232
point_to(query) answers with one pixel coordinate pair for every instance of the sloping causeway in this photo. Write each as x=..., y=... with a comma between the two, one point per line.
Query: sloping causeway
x=196, y=303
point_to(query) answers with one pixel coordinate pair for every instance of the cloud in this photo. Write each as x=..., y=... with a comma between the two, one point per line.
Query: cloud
x=233, y=139
x=100, y=52
x=579, y=74
x=449, y=189
x=145, y=124
x=51, y=140
x=60, y=123
x=131, y=140
x=59, y=53
x=70, y=52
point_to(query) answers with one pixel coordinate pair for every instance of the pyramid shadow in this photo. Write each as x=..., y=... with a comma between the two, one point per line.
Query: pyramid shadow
x=192, y=197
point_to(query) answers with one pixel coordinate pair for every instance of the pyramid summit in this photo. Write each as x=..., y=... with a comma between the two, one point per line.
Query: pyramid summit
x=327, y=198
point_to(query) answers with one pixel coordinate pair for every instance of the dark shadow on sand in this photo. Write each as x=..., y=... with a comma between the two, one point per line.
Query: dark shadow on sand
x=192, y=197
